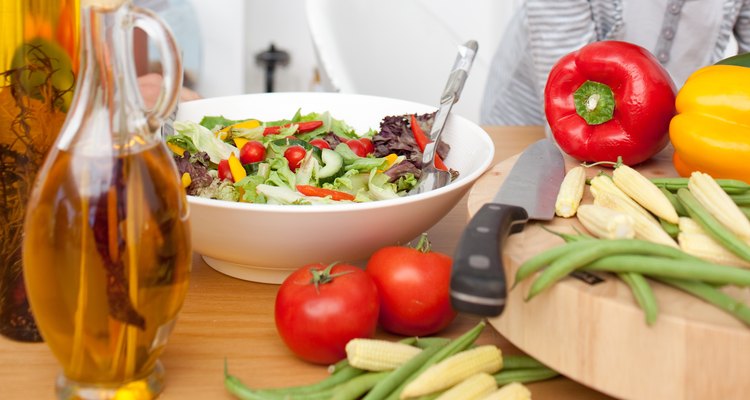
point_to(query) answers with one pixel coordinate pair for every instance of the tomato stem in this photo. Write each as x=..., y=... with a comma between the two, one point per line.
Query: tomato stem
x=325, y=276
x=423, y=245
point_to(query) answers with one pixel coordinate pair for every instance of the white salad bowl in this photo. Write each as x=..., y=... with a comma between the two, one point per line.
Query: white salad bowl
x=265, y=242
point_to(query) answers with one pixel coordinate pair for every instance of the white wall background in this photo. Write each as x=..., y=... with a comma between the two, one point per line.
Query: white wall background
x=232, y=32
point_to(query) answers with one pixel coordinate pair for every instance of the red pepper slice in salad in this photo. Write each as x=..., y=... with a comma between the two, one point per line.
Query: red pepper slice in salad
x=309, y=190
x=422, y=141
x=302, y=127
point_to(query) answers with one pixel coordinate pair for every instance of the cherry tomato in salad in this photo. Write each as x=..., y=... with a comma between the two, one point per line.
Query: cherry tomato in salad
x=320, y=308
x=413, y=287
x=252, y=152
x=320, y=143
x=357, y=147
x=225, y=173
x=367, y=142
x=294, y=155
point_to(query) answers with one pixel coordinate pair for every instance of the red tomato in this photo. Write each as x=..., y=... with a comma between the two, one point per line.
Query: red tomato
x=320, y=143
x=317, y=320
x=367, y=142
x=252, y=151
x=413, y=287
x=225, y=173
x=357, y=147
x=294, y=155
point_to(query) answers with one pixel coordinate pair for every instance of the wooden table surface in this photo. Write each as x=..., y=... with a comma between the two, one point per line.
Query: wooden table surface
x=224, y=317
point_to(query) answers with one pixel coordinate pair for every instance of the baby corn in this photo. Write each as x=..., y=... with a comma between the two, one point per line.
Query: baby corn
x=606, y=223
x=511, y=391
x=646, y=228
x=454, y=369
x=571, y=192
x=378, y=355
x=694, y=240
x=644, y=192
x=604, y=184
x=474, y=387
x=705, y=189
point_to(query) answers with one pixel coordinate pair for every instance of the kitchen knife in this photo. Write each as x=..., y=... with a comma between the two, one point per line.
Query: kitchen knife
x=478, y=284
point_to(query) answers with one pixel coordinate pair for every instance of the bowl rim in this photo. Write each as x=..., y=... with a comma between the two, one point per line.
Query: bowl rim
x=461, y=182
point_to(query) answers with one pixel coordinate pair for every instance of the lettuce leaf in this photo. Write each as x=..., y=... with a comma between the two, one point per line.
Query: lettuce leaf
x=205, y=140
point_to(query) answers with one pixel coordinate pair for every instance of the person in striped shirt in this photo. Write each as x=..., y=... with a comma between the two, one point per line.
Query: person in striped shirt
x=684, y=35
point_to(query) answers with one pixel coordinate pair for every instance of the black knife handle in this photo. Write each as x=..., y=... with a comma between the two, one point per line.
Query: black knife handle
x=478, y=284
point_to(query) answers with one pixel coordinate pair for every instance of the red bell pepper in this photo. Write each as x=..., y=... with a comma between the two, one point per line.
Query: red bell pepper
x=610, y=99
x=422, y=141
x=302, y=127
x=310, y=190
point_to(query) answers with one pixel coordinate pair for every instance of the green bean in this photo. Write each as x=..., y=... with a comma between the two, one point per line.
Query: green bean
x=671, y=268
x=338, y=366
x=525, y=375
x=455, y=346
x=541, y=260
x=643, y=294
x=741, y=199
x=594, y=250
x=714, y=296
x=681, y=211
x=512, y=361
x=235, y=386
x=358, y=386
x=713, y=227
x=568, y=237
x=424, y=342
x=240, y=391
x=342, y=373
x=672, y=229
x=731, y=186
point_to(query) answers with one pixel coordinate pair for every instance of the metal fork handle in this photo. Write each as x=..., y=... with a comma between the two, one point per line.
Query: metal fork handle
x=450, y=96
x=459, y=72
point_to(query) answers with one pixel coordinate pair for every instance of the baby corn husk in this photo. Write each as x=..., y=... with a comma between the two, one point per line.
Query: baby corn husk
x=571, y=192
x=511, y=391
x=644, y=192
x=474, y=387
x=711, y=196
x=378, y=355
x=694, y=240
x=454, y=369
x=606, y=223
x=645, y=228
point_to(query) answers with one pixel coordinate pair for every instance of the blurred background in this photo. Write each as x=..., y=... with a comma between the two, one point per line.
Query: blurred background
x=394, y=48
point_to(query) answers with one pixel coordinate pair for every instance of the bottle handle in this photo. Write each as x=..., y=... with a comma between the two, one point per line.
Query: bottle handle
x=171, y=61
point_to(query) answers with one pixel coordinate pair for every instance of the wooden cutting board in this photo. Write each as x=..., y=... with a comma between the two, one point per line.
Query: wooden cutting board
x=597, y=335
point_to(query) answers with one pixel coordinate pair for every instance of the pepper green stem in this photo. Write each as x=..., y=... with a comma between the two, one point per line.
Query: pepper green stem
x=594, y=102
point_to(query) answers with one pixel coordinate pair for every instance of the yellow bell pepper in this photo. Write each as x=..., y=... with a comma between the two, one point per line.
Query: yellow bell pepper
x=249, y=124
x=236, y=168
x=711, y=131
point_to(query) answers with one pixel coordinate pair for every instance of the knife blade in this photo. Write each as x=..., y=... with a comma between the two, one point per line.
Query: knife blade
x=478, y=284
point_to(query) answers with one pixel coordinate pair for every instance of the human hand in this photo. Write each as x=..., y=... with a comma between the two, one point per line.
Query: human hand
x=150, y=86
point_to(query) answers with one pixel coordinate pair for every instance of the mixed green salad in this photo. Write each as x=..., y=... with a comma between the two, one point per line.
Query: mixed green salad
x=310, y=158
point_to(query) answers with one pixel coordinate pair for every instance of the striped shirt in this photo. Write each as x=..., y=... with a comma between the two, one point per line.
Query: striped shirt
x=683, y=34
